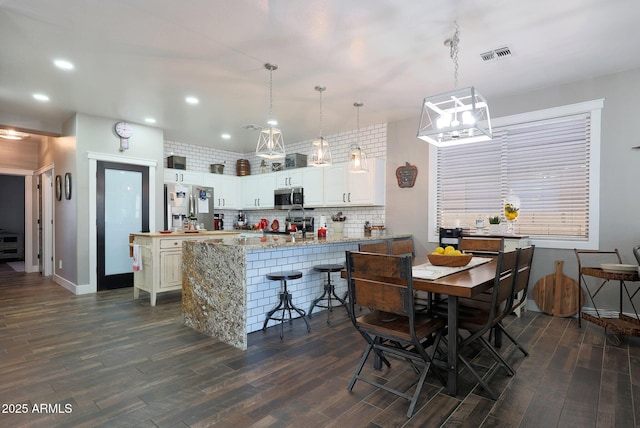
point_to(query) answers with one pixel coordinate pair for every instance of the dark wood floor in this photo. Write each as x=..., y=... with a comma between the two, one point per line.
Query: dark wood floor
x=106, y=360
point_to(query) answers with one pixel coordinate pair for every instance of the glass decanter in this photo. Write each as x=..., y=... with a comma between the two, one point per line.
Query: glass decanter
x=511, y=211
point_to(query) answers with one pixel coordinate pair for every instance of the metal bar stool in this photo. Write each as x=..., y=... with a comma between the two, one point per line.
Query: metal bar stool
x=329, y=290
x=285, y=304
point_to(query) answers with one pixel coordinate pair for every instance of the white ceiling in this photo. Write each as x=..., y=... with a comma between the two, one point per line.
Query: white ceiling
x=140, y=58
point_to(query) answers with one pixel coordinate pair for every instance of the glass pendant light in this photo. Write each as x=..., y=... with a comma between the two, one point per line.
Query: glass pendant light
x=457, y=117
x=270, y=141
x=320, y=150
x=357, y=156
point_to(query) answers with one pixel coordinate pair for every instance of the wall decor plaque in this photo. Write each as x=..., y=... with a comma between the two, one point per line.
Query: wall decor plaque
x=406, y=175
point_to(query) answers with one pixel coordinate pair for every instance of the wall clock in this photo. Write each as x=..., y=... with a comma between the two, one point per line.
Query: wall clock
x=124, y=131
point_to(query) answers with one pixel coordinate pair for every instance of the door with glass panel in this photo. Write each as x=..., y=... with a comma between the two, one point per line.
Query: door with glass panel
x=122, y=208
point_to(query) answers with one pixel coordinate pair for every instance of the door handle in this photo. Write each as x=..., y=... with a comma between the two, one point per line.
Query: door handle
x=349, y=198
x=181, y=177
x=176, y=177
x=344, y=195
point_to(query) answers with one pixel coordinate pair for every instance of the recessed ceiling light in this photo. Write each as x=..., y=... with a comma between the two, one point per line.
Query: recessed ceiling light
x=10, y=134
x=192, y=100
x=63, y=64
x=41, y=97
x=150, y=120
x=225, y=136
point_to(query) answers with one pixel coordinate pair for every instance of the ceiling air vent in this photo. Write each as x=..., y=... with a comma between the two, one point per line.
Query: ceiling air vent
x=496, y=54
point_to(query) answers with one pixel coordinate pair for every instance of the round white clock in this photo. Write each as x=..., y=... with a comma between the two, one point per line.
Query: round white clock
x=123, y=130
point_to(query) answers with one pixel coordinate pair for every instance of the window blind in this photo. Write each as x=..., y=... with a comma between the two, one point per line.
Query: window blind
x=545, y=163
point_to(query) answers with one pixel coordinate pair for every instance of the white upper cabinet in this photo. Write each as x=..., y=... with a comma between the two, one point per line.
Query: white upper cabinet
x=226, y=189
x=289, y=178
x=257, y=191
x=182, y=176
x=313, y=184
x=342, y=188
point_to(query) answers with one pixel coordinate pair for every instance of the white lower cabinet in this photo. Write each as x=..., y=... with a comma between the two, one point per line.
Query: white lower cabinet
x=170, y=269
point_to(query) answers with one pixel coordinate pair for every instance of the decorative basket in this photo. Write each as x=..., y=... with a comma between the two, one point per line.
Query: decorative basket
x=449, y=261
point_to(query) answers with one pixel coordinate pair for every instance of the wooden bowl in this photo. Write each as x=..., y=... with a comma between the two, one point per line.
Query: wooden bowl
x=449, y=261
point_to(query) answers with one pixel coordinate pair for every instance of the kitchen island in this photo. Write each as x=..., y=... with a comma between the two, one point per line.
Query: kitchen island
x=161, y=254
x=225, y=293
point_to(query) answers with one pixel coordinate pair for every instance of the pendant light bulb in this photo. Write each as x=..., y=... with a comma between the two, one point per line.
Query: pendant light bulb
x=270, y=141
x=457, y=117
x=357, y=157
x=320, y=149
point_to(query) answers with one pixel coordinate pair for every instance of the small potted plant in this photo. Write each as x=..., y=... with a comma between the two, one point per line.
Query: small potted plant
x=494, y=225
x=338, y=222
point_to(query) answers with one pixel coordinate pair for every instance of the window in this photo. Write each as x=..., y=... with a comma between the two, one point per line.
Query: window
x=548, y=158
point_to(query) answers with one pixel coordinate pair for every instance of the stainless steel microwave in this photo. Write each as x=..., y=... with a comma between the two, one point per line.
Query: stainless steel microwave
x=284, y=199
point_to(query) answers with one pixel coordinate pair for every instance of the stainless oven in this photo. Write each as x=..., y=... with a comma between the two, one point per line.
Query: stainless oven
x=284, y=199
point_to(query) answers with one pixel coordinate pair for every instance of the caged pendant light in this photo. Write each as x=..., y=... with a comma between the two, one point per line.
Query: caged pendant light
x=270, y=141
x=457, y=117
x=357, y=156
x=320, y=150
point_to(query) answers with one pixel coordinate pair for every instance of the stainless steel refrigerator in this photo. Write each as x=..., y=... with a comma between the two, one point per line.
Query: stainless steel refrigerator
x=182, y=201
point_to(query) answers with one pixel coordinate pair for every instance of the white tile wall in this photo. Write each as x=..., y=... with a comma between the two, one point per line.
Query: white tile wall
x=372, y=139
x=262, y=294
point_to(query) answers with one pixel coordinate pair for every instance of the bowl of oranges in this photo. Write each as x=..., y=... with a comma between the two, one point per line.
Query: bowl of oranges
x=449, y=257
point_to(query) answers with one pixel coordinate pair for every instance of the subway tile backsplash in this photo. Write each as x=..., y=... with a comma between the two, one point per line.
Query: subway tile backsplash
x=372, y=139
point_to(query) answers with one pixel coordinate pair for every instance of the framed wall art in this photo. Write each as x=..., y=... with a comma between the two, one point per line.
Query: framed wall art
x=67, y=185
x=58, y=188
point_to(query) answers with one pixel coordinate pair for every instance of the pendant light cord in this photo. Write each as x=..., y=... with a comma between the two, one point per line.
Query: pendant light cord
x=321, y=89
x=453, y=52
x=358, y=105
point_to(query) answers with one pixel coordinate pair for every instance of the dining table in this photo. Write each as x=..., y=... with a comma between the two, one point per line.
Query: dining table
x=466, y=282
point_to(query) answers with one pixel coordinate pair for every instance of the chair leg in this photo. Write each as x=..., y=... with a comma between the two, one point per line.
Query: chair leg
x=481, y=380
x=416, y=394
x=363, y=360
x=513, y=340
x=497, y=356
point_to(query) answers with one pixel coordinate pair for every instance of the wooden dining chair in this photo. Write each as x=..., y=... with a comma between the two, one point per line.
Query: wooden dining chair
x=402, y=246
x=392, y=330
x=481, y=246
x=520, y=287
x=379, y=247
x=479, y=317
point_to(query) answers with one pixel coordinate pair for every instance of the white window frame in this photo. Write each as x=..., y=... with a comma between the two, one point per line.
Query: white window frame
x=594, y=108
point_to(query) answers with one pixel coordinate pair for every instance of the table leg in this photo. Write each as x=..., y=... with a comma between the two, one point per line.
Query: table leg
x=452, y=346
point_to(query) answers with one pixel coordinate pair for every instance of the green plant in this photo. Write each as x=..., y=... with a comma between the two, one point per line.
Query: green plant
x=494, y=220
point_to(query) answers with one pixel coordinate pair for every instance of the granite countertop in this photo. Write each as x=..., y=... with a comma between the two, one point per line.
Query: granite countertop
x=181, y=233
x=274, y=241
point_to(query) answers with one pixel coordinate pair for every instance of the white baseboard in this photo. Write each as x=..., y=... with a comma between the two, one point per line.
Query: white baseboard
x=75, y=289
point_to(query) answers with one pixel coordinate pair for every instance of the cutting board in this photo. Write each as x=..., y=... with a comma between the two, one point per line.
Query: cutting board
x=557, y=294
